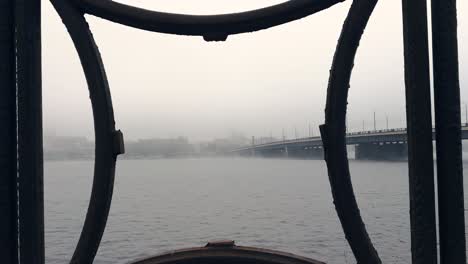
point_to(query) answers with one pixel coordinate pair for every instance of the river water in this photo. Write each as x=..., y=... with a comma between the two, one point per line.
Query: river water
x=286, y=205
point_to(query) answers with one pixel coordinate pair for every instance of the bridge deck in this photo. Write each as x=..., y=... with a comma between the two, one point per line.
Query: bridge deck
x=397, y=135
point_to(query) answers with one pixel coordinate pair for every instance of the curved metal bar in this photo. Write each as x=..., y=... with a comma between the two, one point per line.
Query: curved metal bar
x=227, y=255
x=109, y=143
x=334, y=129
x=211, y=27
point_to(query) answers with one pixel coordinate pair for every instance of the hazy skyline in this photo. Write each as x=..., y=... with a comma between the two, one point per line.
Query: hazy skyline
x=257, y=84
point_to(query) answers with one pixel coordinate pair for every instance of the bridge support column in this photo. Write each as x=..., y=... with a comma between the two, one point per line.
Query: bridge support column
x=277, y=152
x=316, y=153
x=306, y=152
x=379, y=151
x=271, y=153
x=252, y=152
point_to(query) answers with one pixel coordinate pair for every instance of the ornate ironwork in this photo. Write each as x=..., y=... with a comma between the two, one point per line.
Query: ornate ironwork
x=109, y=142
x=334, y=132
x=226, y=252
x=216, y=27
x=211, y=27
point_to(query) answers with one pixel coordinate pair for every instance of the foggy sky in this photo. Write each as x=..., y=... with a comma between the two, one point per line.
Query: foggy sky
x=255, y=84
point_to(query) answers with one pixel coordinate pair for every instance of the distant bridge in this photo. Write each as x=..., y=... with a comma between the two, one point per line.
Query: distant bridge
x=387, y=144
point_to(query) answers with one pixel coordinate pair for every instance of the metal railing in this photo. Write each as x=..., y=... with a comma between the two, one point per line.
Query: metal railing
x=21, y=210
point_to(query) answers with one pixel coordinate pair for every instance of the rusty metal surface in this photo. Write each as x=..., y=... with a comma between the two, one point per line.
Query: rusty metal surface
x=418, y=116
x=211, y=27
x=334, y=131
x=227, y=253
x=109, y=143
x=448, y=136
x=8, y=197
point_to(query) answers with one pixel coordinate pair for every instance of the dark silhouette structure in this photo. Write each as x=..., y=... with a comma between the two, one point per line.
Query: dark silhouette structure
x=21, y=154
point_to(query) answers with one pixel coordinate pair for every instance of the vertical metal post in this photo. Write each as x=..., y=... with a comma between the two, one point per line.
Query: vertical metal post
x=418, y=113
x=8, y=197
x=30, y=153
x=448, y=133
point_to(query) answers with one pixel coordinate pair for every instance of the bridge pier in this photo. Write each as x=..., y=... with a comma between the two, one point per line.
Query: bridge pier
x=381, y=151
x=312, y=152
x=273, y=152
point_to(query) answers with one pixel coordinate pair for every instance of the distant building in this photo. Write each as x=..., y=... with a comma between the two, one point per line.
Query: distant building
x=223, y=145
x=63, y=148
x=158, y=148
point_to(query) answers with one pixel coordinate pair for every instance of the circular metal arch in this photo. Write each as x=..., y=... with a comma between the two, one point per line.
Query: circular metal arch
x=211, y=27
x=334, y=133
x=108, y=141
x=226, y=254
